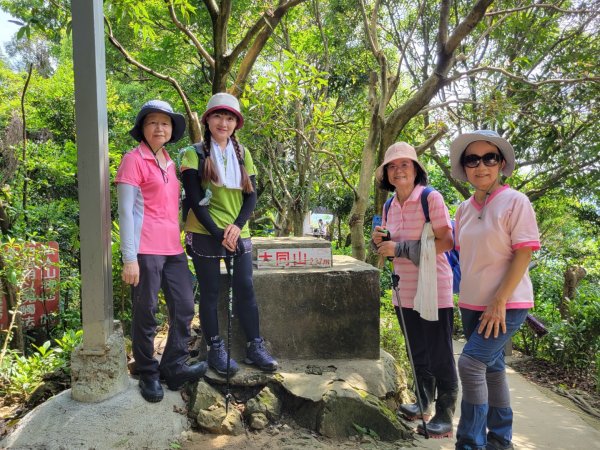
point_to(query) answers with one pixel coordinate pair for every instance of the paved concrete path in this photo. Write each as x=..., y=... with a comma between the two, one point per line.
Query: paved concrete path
x=542, y=420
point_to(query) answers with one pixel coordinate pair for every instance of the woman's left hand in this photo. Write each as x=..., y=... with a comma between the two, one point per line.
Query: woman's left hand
x=231, y=236
x=386, y=248
x=493, y=319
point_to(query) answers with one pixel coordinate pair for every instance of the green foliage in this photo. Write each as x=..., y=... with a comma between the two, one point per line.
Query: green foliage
x=21, y=375
x=571, y=343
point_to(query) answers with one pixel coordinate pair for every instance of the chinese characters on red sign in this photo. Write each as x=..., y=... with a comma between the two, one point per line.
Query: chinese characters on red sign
x=40, y=294
x=283, y=258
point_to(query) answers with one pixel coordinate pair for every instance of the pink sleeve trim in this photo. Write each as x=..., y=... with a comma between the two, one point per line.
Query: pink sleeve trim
x=471, y=307
x=509, y=305
x=520, y=305
x=535, y=245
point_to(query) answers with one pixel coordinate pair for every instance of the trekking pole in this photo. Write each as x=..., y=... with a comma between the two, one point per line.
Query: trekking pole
x=229, y=316
x=395, y=279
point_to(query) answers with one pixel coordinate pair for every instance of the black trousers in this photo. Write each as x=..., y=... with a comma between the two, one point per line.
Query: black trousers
x=244, y=300
x=431, y=345
x=171, y=273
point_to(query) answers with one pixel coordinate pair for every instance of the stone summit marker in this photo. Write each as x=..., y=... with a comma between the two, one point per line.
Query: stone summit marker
x=319, y=315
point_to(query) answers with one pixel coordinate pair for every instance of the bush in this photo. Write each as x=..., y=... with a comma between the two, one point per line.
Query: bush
x=21, y=375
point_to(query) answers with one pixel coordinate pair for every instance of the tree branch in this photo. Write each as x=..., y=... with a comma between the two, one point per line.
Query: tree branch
x=212, y=7
x=201, y=50
x=541, y=6
x=111, y=38
x=466, y=25
x=522, y=79
x=261, y=32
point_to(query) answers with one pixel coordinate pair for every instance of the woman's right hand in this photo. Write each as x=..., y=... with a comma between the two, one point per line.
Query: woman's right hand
x=131, y=273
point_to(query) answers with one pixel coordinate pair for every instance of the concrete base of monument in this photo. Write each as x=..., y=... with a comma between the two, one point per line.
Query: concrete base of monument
x=124, y=421
x=97, y=377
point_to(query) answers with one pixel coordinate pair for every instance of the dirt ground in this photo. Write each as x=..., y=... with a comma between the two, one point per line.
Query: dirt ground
x=284, y=436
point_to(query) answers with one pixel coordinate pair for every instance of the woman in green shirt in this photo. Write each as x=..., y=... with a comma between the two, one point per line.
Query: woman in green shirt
x=220, y=187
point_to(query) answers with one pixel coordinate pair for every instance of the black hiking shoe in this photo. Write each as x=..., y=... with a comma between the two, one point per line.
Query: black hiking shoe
x=151, y=390
x=191, y=373
x=496, y=443
x=257, y=354
x=217, y=358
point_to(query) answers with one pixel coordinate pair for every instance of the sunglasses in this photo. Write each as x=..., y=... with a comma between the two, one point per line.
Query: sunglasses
x=489, y=160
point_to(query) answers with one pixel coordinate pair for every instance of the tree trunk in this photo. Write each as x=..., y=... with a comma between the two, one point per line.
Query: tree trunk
x=5, y=223
x=573, y=276
x=298, y=223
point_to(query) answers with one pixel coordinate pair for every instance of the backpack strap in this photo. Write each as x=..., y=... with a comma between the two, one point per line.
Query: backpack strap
x=199, y=147
x=386, y=208
x=424, y=203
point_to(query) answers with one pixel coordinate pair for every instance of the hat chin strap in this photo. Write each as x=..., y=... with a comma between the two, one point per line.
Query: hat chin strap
x=150, y=147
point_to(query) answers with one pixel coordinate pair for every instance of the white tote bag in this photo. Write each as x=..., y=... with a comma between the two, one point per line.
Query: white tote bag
x=426, y=302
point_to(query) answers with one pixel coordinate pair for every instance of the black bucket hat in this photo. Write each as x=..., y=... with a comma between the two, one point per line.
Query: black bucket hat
x=158, y=106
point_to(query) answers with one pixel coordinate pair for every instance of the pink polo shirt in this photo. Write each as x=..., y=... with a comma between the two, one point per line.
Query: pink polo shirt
x=157, y=202
x=487, y=237
x=406, y=223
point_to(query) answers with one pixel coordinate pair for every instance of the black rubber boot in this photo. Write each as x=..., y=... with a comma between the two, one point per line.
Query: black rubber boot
x=496, y=443
x=411, y=411
x=441, y=424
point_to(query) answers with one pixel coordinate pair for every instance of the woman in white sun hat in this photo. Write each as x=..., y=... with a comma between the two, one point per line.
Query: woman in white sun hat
x=221, y=188
x=496, y=233
x=430, y=341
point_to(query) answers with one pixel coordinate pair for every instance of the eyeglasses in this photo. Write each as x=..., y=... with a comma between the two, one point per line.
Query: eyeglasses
x=489, y=160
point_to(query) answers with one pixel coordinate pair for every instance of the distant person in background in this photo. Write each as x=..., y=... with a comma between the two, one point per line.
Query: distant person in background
x=322, y=229
x=496, y=233
x=430, y=341
x=222, y=197
x=148, y=196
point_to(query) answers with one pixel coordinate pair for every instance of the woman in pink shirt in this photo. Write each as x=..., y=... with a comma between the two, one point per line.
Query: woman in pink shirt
x=496, y=233
x=430, y=341
x=153, y=257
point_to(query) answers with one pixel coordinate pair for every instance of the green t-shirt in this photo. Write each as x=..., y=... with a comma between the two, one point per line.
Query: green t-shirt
x=225, y=203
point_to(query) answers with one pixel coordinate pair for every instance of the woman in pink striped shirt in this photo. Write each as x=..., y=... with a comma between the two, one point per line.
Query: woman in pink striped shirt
x=430, y=341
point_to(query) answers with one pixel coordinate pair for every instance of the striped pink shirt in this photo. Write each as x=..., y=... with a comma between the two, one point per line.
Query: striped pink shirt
x=405, y=223
x=487, y=237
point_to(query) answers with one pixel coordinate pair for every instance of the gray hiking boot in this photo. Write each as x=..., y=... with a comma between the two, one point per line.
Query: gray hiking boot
x=217, y=358
x=257, y=354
